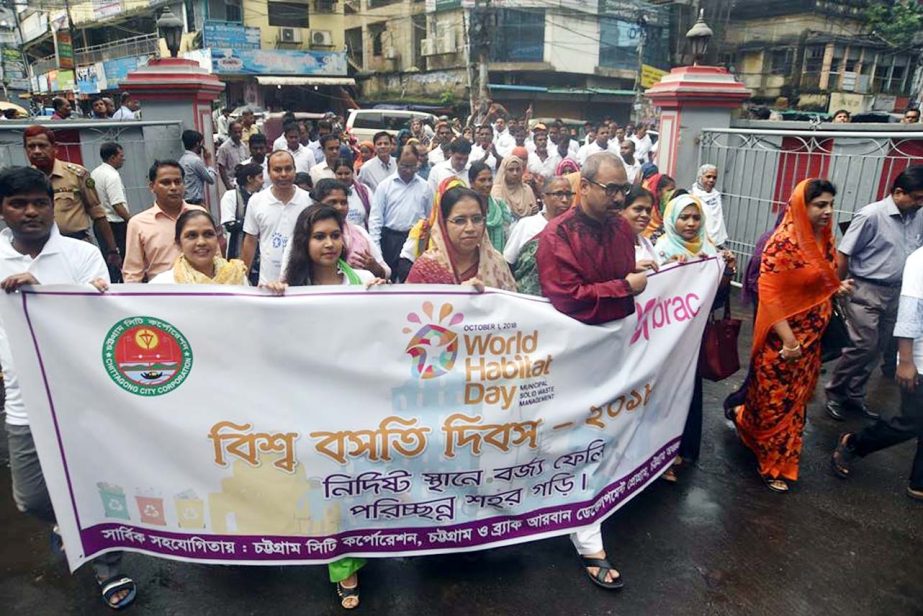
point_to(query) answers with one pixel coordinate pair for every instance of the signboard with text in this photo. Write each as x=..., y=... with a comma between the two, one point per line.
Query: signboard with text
x=346, y=422
x=278, y=62
x=223, y=35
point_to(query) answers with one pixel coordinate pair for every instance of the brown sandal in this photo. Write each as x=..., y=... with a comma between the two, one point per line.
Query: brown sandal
x=842, y=456
x=349, y=597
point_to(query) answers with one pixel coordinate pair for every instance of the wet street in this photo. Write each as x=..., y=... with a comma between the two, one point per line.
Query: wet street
x=718, y=542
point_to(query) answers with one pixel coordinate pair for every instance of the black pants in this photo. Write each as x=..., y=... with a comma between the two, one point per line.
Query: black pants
x=119, y=231
x=391, y=244
x=691, y=444
x=893, y=429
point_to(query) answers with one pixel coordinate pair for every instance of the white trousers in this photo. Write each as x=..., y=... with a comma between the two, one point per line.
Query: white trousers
x=588, y=540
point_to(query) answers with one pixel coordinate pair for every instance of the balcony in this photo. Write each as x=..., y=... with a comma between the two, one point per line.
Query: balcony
x=135, y=46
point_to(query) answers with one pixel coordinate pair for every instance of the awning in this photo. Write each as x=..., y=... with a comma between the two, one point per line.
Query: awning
x=305, y=81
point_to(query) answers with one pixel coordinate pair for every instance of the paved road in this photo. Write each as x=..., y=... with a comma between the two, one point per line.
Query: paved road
x=717, y=543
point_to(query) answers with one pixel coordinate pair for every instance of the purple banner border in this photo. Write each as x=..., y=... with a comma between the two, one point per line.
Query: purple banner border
x=478, y=534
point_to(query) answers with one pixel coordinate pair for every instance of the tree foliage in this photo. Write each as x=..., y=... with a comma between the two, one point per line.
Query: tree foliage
x=895, y=21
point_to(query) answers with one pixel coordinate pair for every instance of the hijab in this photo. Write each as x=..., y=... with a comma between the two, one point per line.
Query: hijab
x=519, y=198
x=671, y=243
x=801, y=281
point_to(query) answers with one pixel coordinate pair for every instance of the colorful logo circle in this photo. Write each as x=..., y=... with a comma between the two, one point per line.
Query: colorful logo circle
x=146, y=356
x=434, y=348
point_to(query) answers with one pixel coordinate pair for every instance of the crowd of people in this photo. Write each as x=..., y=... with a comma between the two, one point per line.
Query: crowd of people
x=584, y=231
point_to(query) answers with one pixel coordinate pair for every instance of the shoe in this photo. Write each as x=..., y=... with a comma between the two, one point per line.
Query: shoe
x=869, y=413
x=842, y=456
x=915, y=493
x=835, y=410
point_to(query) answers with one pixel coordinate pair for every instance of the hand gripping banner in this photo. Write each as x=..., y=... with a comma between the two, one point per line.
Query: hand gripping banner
x=218, y=425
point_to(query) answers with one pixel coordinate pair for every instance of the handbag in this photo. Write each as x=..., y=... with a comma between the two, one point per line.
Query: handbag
x=836, y=337
x=718, y=356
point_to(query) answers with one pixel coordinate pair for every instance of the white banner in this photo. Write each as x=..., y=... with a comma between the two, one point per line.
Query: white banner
x=223, y=425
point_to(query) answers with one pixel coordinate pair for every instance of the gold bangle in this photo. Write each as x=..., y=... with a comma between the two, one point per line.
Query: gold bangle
x=793, y=349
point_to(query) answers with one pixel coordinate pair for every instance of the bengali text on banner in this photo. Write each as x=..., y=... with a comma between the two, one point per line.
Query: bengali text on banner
x=219, y=425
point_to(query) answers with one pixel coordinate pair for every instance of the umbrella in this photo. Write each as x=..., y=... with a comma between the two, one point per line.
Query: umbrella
x=20, y=112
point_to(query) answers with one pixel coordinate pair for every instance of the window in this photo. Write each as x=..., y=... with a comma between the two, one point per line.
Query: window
x=288, y=14
x=780, y=61
x=371, y=120
x=519, y=36
x=377, y=35
x=813, y=59
x=233, y=11
x=325, y=6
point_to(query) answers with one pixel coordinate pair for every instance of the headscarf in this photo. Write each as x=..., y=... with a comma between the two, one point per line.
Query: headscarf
x=656, y=222
x=648, y=170
x=566, y=166
x=226, y=272
x=671, y=243
x=701, y=173
x=421, y=232
x=795, y=285
x=521, y=198
x=493, y=270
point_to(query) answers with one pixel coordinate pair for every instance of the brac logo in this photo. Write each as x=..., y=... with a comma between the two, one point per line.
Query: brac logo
x=658, y=313
x=433, y=347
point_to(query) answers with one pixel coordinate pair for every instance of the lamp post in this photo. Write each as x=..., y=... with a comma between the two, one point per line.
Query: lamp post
x=698, y=36
x=170, y=28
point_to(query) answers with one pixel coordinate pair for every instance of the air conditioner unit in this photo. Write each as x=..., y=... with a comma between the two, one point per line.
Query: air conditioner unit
x=321, y=38
x=447, y=41
x=428, y=47
x=289, y=35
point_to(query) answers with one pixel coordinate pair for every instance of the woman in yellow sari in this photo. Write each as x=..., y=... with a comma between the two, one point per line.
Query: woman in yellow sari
x=200, y=260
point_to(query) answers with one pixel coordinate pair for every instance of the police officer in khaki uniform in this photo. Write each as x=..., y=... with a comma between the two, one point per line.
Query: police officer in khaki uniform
x=76, y=204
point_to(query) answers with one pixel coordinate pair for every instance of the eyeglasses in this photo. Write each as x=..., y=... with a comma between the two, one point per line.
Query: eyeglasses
x=613, y=188
x=462, y=221
x=560, y=194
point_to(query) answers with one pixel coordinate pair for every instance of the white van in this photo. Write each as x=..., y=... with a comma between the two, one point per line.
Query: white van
x=364, y=123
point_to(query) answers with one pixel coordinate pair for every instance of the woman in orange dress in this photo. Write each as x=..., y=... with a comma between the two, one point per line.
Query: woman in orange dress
x=797, y=281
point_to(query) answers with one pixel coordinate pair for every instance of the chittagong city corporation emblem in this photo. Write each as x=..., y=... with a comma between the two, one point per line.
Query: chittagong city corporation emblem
x=146, y=356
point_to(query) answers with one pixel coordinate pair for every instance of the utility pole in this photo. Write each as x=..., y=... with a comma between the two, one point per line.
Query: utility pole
x=639, y=91
x=479, y=42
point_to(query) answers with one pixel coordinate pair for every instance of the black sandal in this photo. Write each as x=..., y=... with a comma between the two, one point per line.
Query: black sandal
x=604, y=568
x=841, y=457
x=349, y=597
x=114, y=585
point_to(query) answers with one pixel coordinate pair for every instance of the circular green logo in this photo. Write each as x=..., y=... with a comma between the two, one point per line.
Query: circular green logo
x=146, y=356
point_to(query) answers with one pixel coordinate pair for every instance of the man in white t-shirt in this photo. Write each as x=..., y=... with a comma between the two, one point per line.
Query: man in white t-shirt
x=304, y=157
x=600, y=144
x=643, y=144
x=330, y=146
x=455, y=166
x=627, y=154
x=503, y=140
x=33, y=252
x=483, y=150
x=271, y=216
x=111, y=193
x=906, y=422
x=258, y=155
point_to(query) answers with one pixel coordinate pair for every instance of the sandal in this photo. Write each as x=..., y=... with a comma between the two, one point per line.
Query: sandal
x=842, y=456
x=604, y=568
x=349, y=597
x=776, y=485
x=669, y=476
x=114, y=585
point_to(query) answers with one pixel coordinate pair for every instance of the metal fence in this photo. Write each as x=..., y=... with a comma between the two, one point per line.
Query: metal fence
x=758, y=169
x=79, y=141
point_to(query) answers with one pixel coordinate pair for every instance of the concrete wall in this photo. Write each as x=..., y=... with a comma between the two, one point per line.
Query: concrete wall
x=572, y=42
x=786, y=27
x=255, y=15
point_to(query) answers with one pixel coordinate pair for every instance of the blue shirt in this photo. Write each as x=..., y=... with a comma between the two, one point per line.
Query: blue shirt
x=398, y=205
x=195, y=176
x=879, y=240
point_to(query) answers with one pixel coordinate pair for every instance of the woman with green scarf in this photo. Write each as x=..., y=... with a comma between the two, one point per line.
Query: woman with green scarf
x=499, y=217
x=317, y=258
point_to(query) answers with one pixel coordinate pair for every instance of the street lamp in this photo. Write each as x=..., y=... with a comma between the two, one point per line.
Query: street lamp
x=698, y=36
x=171, y=29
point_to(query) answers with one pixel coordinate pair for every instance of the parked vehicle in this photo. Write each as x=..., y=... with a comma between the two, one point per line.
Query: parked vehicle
x=364, y=123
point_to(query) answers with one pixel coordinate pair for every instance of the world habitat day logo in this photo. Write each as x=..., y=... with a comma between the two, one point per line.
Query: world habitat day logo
x=146, y=356
x=434, y=347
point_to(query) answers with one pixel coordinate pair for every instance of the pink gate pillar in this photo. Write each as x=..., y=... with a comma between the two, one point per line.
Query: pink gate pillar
x=692, y=98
